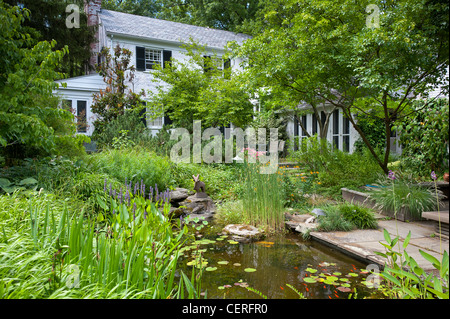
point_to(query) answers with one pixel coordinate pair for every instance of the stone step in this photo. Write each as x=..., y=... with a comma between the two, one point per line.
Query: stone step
x=442, y=216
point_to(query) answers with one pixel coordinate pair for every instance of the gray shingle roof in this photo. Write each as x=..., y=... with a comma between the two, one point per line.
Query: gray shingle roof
x=145, y=27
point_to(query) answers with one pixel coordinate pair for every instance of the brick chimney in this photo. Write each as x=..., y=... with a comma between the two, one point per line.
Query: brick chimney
x=92, y=9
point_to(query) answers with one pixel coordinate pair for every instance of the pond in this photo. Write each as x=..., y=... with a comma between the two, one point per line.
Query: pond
x=272, y=264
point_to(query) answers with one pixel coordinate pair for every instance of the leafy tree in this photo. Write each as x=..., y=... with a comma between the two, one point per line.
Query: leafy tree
x=332, y=52
x=112, y=102
x=148, y=8
x=29, y=116
x=199, y=89
x=48, y=18
x=424, y=137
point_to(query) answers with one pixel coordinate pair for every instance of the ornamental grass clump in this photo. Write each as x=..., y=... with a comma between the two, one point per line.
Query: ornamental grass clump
x=394, y=193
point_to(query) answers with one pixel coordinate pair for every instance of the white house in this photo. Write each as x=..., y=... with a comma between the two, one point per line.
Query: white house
x=151, y=41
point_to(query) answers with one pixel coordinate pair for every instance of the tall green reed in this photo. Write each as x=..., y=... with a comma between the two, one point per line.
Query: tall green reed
x=262, y=198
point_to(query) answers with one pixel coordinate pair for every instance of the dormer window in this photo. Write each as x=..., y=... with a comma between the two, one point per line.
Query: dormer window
x=148, y=58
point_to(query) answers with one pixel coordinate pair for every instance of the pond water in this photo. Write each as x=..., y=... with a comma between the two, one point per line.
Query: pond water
x=275, y=262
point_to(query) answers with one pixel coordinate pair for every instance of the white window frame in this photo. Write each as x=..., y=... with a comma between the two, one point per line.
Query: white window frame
x=155, y=123
x=74, y=111
x=344, y=119
x=153, y=61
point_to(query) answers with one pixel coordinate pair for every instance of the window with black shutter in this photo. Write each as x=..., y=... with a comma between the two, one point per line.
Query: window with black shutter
x=143, y=114
x=148, y=58
x=140, y=58
x=217, y=63
x=167, y=120
x=167, y=55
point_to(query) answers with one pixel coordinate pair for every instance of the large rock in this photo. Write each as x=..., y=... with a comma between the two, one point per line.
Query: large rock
x=178, y=195
x=199, y=203
x=303, y=223
x=304, y=228
x=243, y=233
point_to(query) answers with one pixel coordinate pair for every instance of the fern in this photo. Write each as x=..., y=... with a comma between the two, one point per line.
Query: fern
x=300, y=295
x=256, y=292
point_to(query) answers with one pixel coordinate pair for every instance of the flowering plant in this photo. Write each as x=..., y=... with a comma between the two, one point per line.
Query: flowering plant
x=133, y=210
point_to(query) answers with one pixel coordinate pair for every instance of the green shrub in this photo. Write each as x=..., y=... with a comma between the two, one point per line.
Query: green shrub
x=221, y=180
x=360, y=216
x=230, y=212
x=336, y=169
x=160, y=143
x=133, y=164
x=334, y=220
x=130, y=121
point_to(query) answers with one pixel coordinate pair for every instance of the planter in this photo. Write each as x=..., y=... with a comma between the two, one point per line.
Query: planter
x=403, y=214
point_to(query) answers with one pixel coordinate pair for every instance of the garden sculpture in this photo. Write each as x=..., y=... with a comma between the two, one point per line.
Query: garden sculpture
x=199, y=186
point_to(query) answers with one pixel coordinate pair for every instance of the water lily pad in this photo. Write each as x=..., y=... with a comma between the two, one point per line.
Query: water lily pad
x=364, y=271
x=233, y=242
x=345, y=285
x=343, y=279
x=221, y=287
x=223, y=262
x=309, y=280
x=197, y=263
x=211, y=268
x=219, y=238
x=352, y=274
x=337, y=273
x=236, y=264
x=249, y=269
x=324, y=264
x=344, y=289
x=311, y=270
